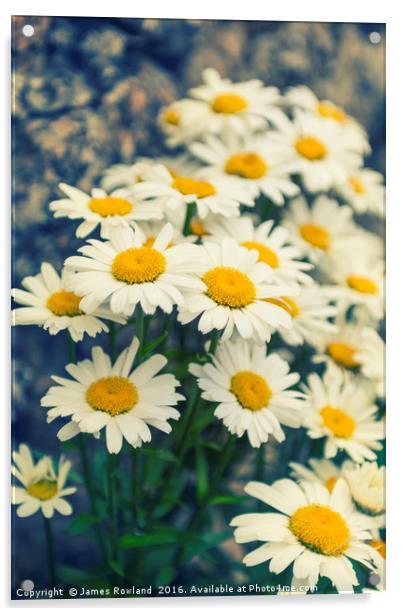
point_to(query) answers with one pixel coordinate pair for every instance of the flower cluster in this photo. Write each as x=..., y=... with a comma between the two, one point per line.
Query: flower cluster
x=245, y=242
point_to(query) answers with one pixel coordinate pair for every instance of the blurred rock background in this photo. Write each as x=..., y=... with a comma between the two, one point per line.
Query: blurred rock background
x=86, y=95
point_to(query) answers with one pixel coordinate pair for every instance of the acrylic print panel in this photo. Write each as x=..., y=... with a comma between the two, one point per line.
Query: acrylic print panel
x=198, y=266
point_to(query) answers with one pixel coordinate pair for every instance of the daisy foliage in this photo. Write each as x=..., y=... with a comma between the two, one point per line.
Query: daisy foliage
x=236, y=294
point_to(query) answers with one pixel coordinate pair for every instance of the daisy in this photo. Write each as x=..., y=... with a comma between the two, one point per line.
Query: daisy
x=364, y=190
x=183, y=121
x=359, y=281
x=231, y=294
x=318, y=532
x=114, y=396
x=176, y=194
x=114, y=211
x=48, y=304
x=321, y=229
x=371, y=358
x=340, y=409
x=271, y=243
x=42, y=487
x=304, y=98
x=322, y=471
x=128, y=271
x=258, y=165
x=252, y=391
x=236, y=107
x=367, y=487
x=324, y=153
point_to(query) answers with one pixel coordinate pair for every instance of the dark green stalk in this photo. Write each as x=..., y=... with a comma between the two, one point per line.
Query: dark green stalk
x=189, y=215
x=112, y=342
x=50, y=550
x=113, y=461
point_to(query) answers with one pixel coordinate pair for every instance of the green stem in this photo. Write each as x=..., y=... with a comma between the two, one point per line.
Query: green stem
x=140, y=329
x=214, y=341
x=50, y=550
x=112, y=341
x=113, y=461
x=189, y=215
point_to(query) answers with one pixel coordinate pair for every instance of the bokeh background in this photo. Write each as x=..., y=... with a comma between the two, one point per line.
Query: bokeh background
x=86, y=93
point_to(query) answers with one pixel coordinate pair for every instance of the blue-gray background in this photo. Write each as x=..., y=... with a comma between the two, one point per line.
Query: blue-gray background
x=86, y=95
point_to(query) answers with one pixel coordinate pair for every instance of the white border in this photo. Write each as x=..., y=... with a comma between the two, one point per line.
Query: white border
x=307, y=10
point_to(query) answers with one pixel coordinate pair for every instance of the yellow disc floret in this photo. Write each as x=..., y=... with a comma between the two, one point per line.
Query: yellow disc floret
x=328, y=110
x=330, y=483
x=229, y=287
x=286, y=303
x=189, y=186
x=265, y=254
x=357, y=185
x=171, y=116
x=113, y=394
x=64, y=304
x=197, y=227
x=343, y=354
x=44, y=489
x=138, y=265
x=320, y=529
x=248, y=165
x=380, y=546
x=251, y=390
x=229, y=103
x=340, y=423
x=315, y=235
x=311, y=148
x=110, y=206
x=362, y=284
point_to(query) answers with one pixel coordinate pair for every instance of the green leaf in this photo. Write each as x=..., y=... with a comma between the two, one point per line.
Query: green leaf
x=138, y=541
x=71, y=575
x=206, y=542
x=227, y=499
x=82, y=522
x=162, y=454
x=202, y=473
x=116, y=567
x=165, y=575
x=155, y=343
x=205, y=416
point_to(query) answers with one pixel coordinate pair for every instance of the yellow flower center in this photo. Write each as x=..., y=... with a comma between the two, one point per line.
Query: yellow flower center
x=229, y=287
x=265, y=254
x=247, y=165
x=64, y=304
x=138, y=265
x=330, y=483
x=197, y=227
x=357, y=185
x=362, y=284
x=171, y=116
x=380, y=546
x=320, y=529
x=188, y=186
x=251, y=390
x=340, y=423
x=286, y=303
x=150, y=241
x=110, y=206
x=327, y=110
x=311, y=148
x=315, y=235
x=113, y=394
x=229, y=103
x=43, y=489
x=343, y=354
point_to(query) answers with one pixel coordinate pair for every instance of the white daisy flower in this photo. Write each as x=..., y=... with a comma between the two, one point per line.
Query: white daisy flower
x=359, y=281
x=231, y=294
x=271, y=243
x=42, y=487
x=340, y=409
x=116, y=397
x=48, y=304
x=304, y=98
x=371, y=358
x=258, y=165
x=115, y=211
x=343, y=348
x=318, y=531
x=183, y=121
x=322, y=471
x=128, y=271
x=252, y=389
x=176, y=194
x=310, y=311
x=364, y=190
x=235, y=107
x=367, y=487
x=321, y=229
x=324, y=152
